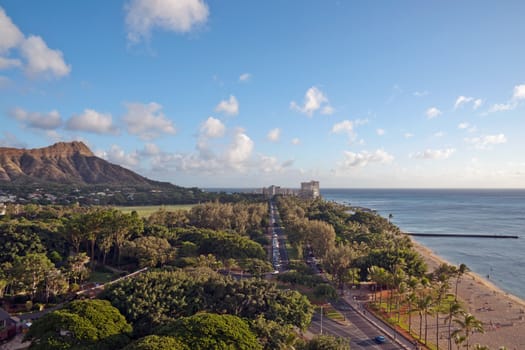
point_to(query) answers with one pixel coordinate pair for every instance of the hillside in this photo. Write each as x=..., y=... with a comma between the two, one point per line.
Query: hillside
x=64, y=163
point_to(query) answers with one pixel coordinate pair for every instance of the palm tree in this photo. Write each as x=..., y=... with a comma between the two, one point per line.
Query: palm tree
x=441, y=286
x=422, y=306
x=410, y=302
x=454, y=310
x=460, y=271
x=378, y=275
x=458, y=339
x=468, y=324
x=411, y=299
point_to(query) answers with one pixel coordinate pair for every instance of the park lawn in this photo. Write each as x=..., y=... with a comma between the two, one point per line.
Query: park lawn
x=101, y=277
x=145, y=211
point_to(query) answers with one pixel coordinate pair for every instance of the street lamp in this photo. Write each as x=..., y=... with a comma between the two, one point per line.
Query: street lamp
x=321, y=319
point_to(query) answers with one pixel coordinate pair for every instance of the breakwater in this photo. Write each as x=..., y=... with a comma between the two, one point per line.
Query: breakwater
x=467, y=235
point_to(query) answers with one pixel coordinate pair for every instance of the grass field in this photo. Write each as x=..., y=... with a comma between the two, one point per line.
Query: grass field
x=145, y=211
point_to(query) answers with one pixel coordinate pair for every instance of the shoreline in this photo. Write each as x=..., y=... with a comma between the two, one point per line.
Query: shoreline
x=502, y=313
x=433, y=260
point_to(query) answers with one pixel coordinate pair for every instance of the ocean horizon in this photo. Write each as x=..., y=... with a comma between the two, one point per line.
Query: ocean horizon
x=457, y=211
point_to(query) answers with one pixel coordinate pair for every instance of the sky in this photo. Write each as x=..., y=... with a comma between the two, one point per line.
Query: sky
x=210, y=93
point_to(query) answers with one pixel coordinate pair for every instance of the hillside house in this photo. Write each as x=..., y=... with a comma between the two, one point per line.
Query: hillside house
x=7, y=325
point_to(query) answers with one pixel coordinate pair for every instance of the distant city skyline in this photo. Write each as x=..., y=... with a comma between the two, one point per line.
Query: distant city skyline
x=404, y=94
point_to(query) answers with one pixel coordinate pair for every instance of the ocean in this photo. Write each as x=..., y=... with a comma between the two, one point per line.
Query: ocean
x=492, y=212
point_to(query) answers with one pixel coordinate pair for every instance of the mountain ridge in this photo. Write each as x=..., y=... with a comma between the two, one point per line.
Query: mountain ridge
x=65, y=163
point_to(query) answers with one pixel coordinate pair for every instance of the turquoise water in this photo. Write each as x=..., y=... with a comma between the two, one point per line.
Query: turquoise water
x=457, y=211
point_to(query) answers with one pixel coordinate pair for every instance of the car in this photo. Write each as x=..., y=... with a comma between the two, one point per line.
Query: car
x=380, y=339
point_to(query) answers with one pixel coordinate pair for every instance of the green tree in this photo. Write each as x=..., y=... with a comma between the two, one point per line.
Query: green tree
x=321, y=236
x=122, y=226
x=29, y=271
x=326, y=342
x=157, y=342
x=76, y=266
x=211, y=331
x=55, y=283
x=86, y=324
x=272, y=335
x=454, y=310
x=467, y=325
x=460, y=271
x=149, y=251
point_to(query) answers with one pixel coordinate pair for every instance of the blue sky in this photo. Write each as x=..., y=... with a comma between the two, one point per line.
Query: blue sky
x=252, y=93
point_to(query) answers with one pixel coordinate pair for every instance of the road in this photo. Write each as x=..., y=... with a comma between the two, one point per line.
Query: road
x=360, y=333
x=360, y=328
x=282, y=256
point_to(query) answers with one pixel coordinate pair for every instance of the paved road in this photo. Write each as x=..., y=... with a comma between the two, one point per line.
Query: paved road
x=361, y=333
x=360, y=329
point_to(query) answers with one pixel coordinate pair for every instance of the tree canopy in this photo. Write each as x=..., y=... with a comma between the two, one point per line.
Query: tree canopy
x=206, y=331
x=86, y=324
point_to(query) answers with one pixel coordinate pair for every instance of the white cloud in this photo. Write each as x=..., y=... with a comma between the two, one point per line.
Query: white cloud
x=37, y=120
x=486, y=142
x=11, y=35
x=10, y=140
x=464, y=100
x=212, y=127
x=434, y=154
x=362, y=159
x=211, y=159
x=439, y=134
x=40, y=60
x=517, y=96
x=6, y=63
x=467, y=126
x=420, y=93
x=327, y=110
x=230, y=106
x=92, y=121
x=519, y=92
x=296, y=141
x=408, y=135
x=181, y=16
x=344, y=127
x=147, y=120
x=118, y=156
x=359, y=122
x=499, y=107
x=461, y=100
x=240, y=150
x=380, y=132
x=270, y=164
x=314, y=100
x=150, y=149
x=245, y=77
x=477, y=103
x=273, y=135
x=432, y=112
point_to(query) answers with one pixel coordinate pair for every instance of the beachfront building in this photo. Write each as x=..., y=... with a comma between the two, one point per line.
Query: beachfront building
x=310, y=190
x=276, y=190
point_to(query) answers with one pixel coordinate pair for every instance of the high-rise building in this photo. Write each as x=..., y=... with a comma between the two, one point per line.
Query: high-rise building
x=310, y=190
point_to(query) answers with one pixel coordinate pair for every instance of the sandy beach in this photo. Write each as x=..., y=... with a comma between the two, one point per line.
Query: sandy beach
x=502, y=314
